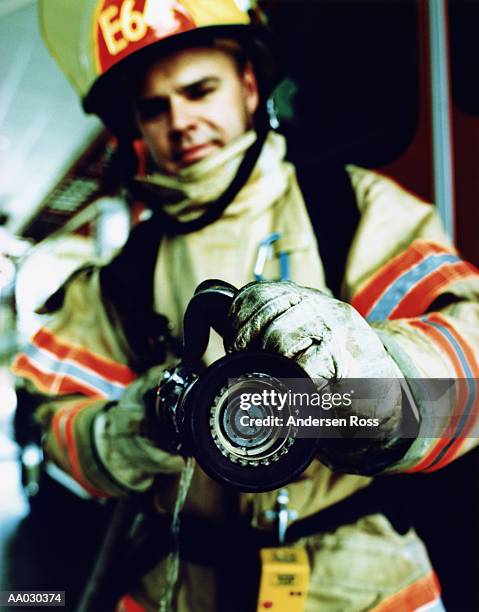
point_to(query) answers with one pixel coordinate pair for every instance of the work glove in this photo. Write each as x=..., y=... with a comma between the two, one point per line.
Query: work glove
x=134, y=443
x=331, y=341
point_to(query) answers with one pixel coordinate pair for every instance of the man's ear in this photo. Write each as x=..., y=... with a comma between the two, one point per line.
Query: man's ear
x=250, y=85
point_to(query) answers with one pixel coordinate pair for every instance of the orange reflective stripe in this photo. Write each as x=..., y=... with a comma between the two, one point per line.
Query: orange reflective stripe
x=58, y=429
x=60, y=426
x=446, y=348
x=422, y=295
x=58, y=367
x=370, y=293
x=51, y=383
x=426, y=590
x=64, y=436
x=469, y=352
x=109, y=369
x=76, y=470
x=463, y=418
x=470, y=359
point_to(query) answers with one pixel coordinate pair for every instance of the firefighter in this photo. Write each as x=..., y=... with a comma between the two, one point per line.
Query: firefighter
x=183, y=85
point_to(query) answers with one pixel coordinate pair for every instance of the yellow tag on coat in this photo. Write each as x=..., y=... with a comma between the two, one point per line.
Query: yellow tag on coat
x=284, y=579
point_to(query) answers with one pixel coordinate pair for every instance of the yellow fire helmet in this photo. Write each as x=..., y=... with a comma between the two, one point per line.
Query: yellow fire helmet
x=96, y=41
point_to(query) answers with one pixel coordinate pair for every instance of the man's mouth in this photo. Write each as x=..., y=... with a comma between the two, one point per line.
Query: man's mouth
x=190, y=155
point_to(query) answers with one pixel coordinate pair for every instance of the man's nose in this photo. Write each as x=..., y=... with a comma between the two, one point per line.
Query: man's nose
x=181, y=116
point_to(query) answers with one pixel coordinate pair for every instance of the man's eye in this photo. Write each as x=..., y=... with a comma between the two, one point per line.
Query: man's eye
x=150, y=109
x=197, y=94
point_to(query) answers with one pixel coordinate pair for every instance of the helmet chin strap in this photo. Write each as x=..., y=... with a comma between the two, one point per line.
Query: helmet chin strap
x=214, y=210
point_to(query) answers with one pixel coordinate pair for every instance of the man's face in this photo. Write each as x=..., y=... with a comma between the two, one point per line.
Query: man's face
x=192, y=103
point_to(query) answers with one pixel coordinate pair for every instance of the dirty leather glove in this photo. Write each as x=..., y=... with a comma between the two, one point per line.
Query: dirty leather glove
x=126, y=441
x=331, y=341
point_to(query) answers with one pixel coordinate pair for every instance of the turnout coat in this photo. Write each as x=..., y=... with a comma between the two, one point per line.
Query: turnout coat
x=389, y=258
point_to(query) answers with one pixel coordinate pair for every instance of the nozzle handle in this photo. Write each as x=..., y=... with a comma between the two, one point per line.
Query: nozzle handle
x=207, y=309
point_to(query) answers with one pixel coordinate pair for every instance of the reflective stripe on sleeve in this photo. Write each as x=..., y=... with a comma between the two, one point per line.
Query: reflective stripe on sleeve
x=420, y=596
x=410, y=282
x=63, y=428
x=464, y=416
x=58, y=367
